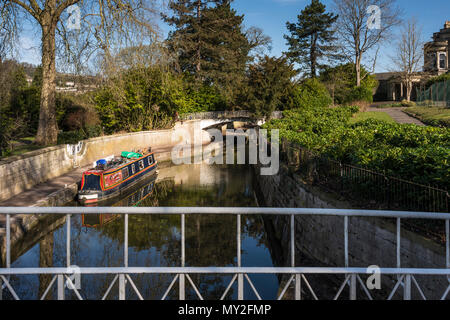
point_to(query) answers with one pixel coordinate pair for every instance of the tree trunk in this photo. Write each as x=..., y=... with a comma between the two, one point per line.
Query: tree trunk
x=313, y=57
x=408, y=90
x=358, y=71
x=47, y=133
x=199, y=56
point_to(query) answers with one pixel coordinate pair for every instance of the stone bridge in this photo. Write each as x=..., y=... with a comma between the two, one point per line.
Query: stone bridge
x=220, y=119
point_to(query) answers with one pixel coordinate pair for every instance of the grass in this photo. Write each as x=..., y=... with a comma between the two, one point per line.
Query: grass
x=21, y=146
x=361, y=116
x=434, y=116
x=388, y=105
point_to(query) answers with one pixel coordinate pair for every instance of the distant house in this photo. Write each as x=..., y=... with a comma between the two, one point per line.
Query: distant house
x=436, y=52
x=392, y=88
x=29, y=80
x=436, y=62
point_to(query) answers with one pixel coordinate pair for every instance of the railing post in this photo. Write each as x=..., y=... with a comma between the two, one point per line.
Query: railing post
x=398, y=242
x=297, y=276
x=346, y=241
x=407, y=288
x=353, y=287
x=240, y=275
x=182, y=289
x=122, y=280
x=60, y=285
x=8, y=250
x=8, y=241
x=68, y=241
x=125, y=244
x=121, y=286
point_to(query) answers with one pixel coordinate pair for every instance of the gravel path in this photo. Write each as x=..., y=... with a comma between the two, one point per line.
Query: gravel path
x=398, y=115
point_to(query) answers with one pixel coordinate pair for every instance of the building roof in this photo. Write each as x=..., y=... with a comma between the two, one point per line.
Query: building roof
x=385, y=75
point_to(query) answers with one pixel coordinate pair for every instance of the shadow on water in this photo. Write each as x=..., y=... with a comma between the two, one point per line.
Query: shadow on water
x=97, y=241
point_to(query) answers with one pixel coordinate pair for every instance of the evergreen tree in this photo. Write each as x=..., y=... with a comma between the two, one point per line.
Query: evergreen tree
x=210, y=43
x=270, y=84
x=226, y=48
x=311, y=37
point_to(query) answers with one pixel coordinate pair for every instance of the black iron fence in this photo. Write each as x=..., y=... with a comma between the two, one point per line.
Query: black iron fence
x=370, y=188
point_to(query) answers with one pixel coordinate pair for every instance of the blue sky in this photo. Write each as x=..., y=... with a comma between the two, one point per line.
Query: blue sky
x=272, y=15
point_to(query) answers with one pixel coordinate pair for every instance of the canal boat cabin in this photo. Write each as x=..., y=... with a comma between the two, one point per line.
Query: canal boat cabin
x=113, y=176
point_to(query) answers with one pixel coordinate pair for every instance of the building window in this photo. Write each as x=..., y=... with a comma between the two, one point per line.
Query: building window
x=141, y=164
x=442, y=61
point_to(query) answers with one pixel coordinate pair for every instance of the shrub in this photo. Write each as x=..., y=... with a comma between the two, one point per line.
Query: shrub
x=362, y=105
x=312, y=94
x=361, y=93
x=433, y=80
x=268, y=85
x=415, y=153
x=93, y=131
x=406, y=103
x=71, y=137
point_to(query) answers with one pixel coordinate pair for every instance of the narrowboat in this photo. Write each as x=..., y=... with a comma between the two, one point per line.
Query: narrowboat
x=133, y=199
x=113, y=176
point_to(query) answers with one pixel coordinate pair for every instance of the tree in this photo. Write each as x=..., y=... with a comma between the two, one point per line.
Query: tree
x=311, y=37
x=359, y=31
x=103, y=26
x=211, y=42
x=8, y=30
x=186, y=39
x=270, y=81
x=340, y=81
x=409, y=54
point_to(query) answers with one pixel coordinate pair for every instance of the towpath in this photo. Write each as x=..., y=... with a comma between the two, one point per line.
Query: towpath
x=41, y=191
x=397, y=114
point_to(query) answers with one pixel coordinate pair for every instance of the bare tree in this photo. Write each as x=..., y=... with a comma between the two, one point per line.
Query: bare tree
x=8, y=30
x=76, y=33
x=409, y=54
x=362, y=26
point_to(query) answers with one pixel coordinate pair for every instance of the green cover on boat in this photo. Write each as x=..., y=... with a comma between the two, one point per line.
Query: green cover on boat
x=129, y=155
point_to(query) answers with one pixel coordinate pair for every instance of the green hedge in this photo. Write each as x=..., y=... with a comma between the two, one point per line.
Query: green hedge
x=412, y=152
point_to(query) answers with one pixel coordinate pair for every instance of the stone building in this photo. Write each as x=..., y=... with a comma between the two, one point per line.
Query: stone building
x=436, y=62
x=436, y=52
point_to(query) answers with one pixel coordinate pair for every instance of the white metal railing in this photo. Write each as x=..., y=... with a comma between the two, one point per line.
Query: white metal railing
x=182, y=273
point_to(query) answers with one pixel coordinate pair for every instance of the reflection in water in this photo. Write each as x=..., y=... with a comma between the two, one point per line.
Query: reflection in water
x=97, y=240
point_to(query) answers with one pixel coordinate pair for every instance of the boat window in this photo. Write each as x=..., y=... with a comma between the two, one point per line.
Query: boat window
x=132, y=169
x=150, y=160
x=141, y=164
x=125, y=173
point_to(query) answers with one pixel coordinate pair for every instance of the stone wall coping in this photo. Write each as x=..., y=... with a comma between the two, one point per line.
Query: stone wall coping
x=38, y=152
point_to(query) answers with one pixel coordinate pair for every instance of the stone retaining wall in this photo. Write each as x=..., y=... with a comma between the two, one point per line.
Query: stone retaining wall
x=372, y=241
x=23, y=172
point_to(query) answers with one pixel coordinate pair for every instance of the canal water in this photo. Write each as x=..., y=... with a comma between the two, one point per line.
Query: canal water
x=97, y=241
